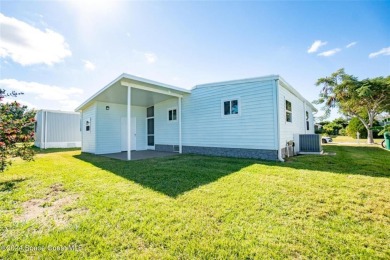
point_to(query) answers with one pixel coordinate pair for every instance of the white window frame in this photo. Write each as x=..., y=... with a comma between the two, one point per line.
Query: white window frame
x=177, y=114
x=288, y=111
x=223, y=107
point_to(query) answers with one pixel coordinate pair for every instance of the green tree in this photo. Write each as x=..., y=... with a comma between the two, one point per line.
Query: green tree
x=332, y=128
x=16, y=132
x=355, y=125
x=355, y=98
x=341, y=121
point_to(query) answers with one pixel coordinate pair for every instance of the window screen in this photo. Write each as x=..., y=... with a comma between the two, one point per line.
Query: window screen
x=230, y=107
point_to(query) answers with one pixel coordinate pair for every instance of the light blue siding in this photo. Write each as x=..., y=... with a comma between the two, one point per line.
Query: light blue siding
x=311, y=120
x=108, y=125
x=166, y=132
x=204, y=123
x=298, y=124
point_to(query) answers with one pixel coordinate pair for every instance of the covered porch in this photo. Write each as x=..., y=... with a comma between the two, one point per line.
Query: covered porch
x=136, y=118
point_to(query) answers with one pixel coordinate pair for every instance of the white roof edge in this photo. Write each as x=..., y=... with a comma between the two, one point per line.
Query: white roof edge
x=296, y=93
x=57, y=111
x=131, y=77
x=97, y=93
x=152, y=82
x=263, y=78
x=238, y=81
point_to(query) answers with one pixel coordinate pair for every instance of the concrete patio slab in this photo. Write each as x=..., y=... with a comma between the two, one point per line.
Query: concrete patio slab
x=139, y=155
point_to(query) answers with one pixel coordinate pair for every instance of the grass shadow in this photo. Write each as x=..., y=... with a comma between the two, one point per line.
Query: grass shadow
x=6, y=186
x=172, y=175
x=178, y=174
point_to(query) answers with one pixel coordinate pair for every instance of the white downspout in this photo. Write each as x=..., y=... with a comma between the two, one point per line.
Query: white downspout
x=180, y=144
x=128, y=123
x=278, y=121
x=304, y=117
x=42, y=129
x=45, y=142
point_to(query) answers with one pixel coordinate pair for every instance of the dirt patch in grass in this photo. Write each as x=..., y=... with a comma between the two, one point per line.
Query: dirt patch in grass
x=56, y=208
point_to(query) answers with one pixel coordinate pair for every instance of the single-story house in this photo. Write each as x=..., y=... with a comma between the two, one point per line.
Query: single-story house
x=57, y=129
x=248, y=118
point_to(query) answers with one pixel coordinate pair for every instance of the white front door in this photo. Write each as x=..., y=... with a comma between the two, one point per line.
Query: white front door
x=133, y=134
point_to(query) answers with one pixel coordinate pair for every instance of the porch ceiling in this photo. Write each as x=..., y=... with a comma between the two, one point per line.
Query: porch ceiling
x=118, y=94
x=144, y=92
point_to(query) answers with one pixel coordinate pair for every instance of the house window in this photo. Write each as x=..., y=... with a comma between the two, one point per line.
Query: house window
x=231, y=107
x=172, y=114
x=150, y=112
x=288, y=111
x=307, y=121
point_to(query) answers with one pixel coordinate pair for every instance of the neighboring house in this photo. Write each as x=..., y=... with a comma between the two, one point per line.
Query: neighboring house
x=57, y=129
x=249, y=118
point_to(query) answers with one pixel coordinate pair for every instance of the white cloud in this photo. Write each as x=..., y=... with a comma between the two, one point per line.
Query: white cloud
x=351, y=44
x=88, y=65
x=28, y=45
x=315, y=46
x=68, y=98
x=329, y=53
x=150, y=57
x=384, y=51
x=25, y=103
x=69, y=105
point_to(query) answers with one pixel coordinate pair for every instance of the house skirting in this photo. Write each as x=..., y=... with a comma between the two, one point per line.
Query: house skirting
x=166, y=148
x=262, y=154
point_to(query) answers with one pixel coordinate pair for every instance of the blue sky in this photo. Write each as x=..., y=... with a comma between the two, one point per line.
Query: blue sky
x=60, y=53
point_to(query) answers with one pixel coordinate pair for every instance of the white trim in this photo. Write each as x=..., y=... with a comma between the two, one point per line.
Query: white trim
x=152, y=82
x=223, y=100
x=237, y=81
x=180, y=141
x=150, y=147
x=128, y=123
x=277, y=109
x=42, y=131
x=172, y=108
x=45, y=142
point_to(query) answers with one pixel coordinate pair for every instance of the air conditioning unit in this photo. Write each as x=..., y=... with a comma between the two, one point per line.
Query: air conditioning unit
x=307, y=144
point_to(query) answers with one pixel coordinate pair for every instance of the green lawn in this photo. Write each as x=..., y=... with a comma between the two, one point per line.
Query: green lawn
x=197, y=207
x=339, y=139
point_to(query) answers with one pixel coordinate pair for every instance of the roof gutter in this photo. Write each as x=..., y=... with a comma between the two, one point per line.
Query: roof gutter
x=277, y=119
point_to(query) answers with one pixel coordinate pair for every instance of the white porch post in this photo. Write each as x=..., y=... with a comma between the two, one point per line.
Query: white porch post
x=180, y=145
x=128, y=123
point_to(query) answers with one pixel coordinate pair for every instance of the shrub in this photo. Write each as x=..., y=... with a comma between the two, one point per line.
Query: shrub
x=343, y=132
x=355, y=125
